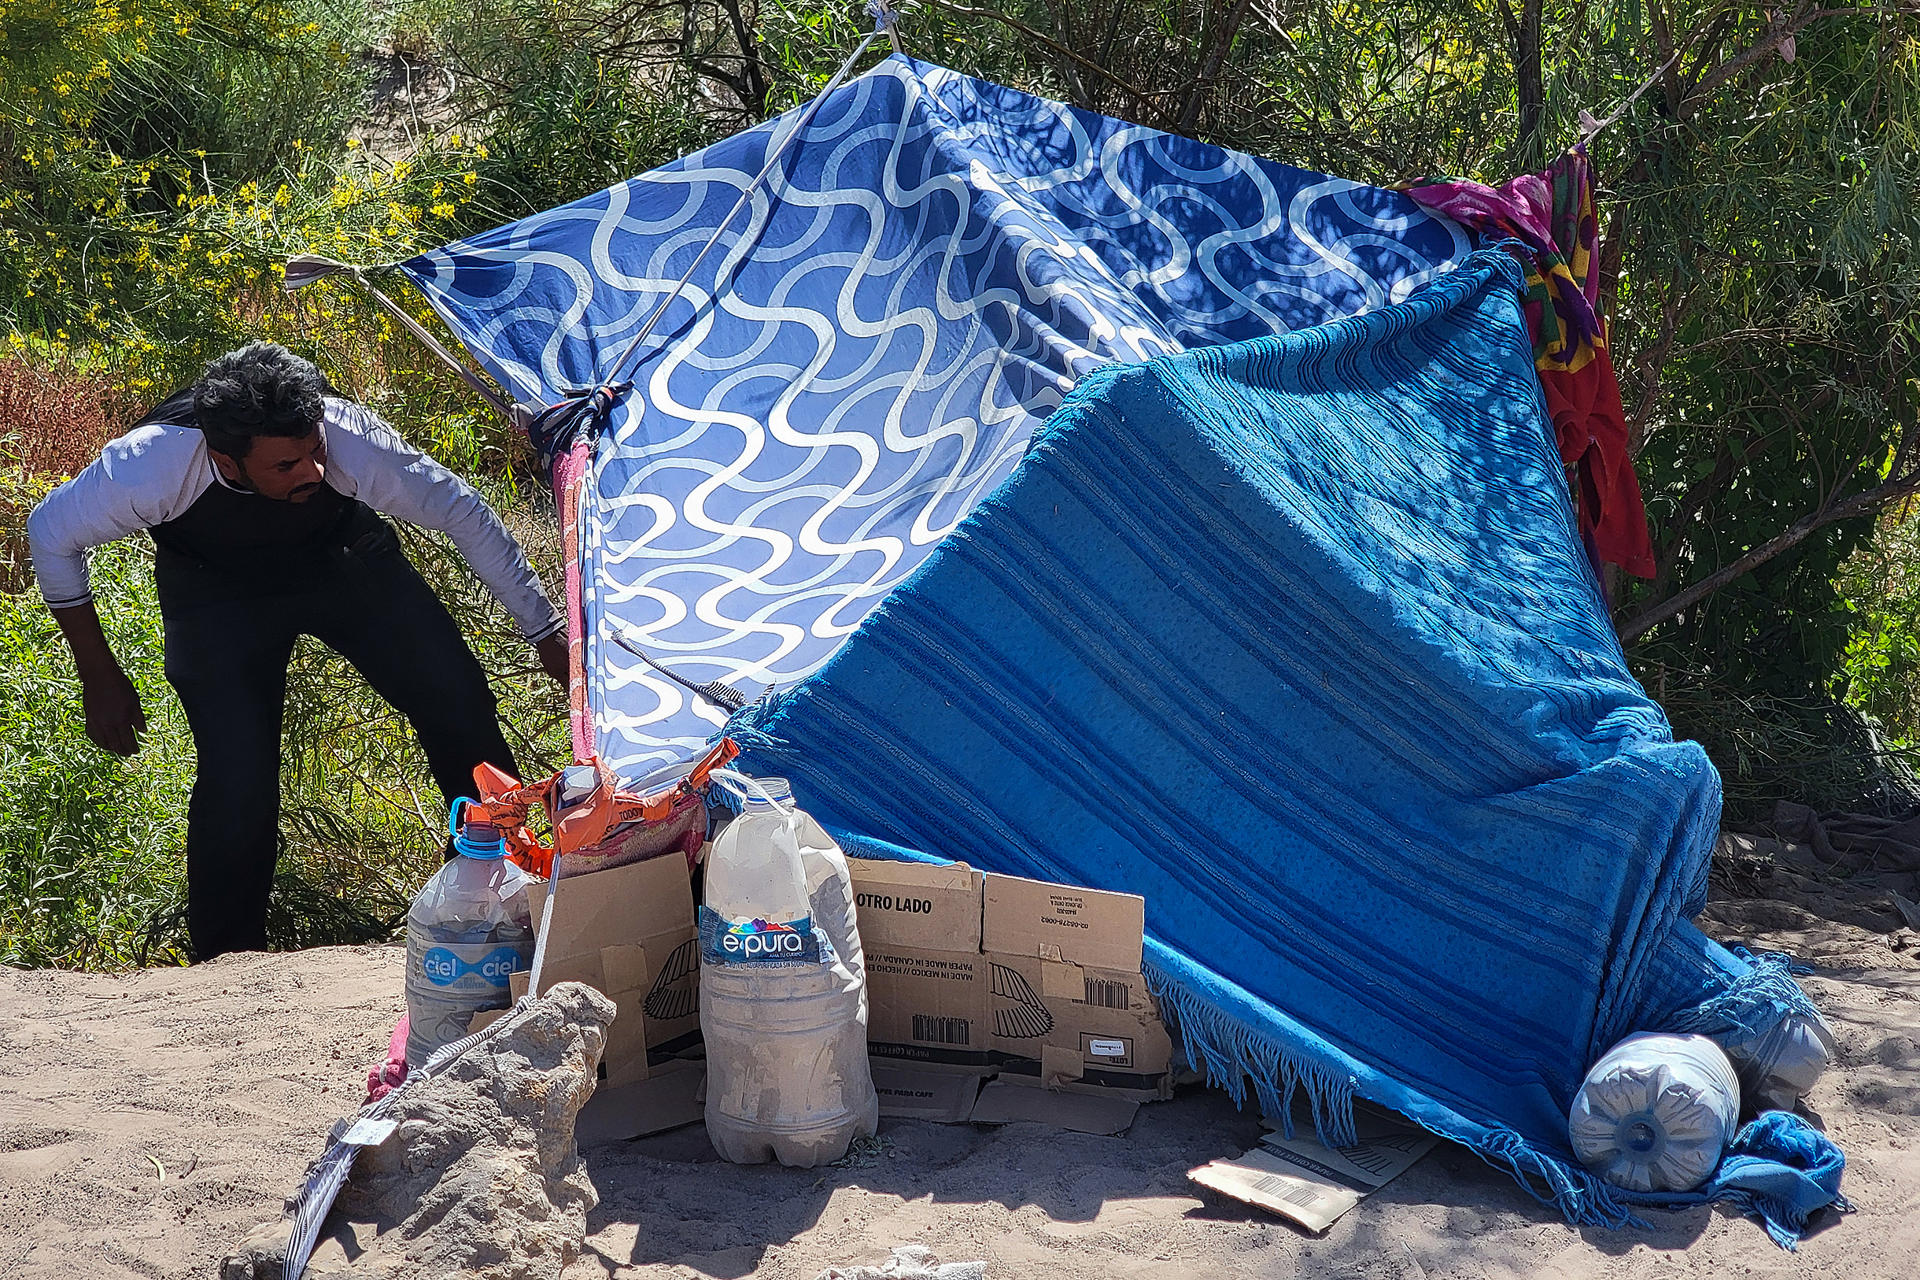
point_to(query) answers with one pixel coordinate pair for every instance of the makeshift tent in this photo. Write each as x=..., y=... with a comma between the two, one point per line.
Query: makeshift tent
x=937, y=264
x=1118, y=509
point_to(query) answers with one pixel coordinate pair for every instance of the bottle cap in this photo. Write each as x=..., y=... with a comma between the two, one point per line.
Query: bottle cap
x=779, y=788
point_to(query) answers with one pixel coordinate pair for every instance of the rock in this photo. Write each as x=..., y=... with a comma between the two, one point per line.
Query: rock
x=262, y=1255
x=481, y=1179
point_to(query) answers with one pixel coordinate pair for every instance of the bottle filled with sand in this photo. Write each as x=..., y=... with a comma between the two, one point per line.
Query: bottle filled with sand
x=783, y=992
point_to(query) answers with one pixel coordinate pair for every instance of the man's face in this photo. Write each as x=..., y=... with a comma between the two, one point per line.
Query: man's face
x=285, y=468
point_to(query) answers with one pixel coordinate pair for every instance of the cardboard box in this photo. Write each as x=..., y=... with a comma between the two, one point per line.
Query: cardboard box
x=1061, y=923
x=629, y=933
x=989, y=973
x=926, y=979
x=1070, y=1007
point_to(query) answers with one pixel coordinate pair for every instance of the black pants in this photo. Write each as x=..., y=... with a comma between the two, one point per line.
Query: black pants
x=227, y=660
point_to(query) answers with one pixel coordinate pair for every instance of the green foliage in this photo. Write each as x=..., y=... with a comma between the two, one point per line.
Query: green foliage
x=1880, y=585
x=1776, y=333
x=570, y=99
x=159, y=159
x=88, y=842
x=91, y=845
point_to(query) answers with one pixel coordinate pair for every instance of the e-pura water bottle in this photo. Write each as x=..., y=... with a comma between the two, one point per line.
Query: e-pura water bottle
x=783, y=998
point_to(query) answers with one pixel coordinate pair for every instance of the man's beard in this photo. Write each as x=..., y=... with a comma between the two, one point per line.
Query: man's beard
x=302, y=492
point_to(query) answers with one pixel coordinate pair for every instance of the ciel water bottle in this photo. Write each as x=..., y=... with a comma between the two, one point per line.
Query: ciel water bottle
x=468, y=931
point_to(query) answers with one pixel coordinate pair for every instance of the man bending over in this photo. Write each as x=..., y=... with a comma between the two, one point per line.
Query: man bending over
x=261, y=489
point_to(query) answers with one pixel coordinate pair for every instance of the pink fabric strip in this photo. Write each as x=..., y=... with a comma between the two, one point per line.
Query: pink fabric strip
x=569, y=475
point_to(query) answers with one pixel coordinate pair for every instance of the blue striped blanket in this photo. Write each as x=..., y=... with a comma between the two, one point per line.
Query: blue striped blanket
x=1295, y=638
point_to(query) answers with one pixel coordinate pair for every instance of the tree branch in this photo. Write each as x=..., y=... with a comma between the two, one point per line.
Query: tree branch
x=1694, y=500
x=1727, y=69
x=1651, y=361
x=1142, y=96
x=1859, y=505
x=1524, y=31
x=1209, y=69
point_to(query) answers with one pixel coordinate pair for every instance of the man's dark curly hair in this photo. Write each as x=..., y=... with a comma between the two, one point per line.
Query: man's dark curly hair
x=262, y=389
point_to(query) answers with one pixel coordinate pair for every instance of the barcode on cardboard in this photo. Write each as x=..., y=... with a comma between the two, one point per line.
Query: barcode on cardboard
x=934, y=1030
x=1103, y=994
x=1294, y=1193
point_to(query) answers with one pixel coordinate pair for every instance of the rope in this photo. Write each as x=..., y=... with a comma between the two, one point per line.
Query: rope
x=329, y=1174
x=646, y=329
x=1591, y=128
x=304, y=269
x=884, y=19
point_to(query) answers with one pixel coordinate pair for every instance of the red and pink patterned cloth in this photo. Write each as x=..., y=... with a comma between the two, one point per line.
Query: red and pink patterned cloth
x=1552, y=214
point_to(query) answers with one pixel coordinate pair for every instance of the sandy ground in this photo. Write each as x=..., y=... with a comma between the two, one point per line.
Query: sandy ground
x=147, y=1121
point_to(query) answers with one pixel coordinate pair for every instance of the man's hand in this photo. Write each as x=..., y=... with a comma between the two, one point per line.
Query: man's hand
x=114, y=718
x=553, y=657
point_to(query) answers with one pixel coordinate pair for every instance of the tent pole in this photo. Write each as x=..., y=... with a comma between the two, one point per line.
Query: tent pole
x=306, y=268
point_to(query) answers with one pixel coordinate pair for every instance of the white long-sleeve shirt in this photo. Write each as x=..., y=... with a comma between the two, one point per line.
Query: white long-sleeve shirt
x=155, y=472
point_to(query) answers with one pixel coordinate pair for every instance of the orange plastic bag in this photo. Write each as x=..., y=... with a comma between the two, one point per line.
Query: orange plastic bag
x=585, y=825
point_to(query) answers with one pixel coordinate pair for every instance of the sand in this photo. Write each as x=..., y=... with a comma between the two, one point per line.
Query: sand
x=149, y=1120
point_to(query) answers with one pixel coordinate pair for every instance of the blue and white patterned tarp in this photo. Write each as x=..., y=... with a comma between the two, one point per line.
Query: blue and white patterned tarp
x=865, y=355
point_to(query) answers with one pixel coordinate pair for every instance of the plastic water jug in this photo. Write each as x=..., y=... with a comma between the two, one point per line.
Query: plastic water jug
x=1780, y=1066
x=1655, y=1112
x=467, y=931
x=783, y=988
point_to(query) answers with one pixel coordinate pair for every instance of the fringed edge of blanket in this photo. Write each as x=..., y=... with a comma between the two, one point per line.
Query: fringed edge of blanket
x=1753, y=1003
x=1231, y=1053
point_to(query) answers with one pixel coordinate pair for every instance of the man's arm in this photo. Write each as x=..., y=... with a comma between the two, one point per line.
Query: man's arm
x=143, y=478
x=114, y=718
x=370, y=461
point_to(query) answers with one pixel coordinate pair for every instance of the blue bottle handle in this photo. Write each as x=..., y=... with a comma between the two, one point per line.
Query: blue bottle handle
x=464, y=846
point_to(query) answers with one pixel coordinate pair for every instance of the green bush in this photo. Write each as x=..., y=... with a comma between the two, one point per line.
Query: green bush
x=89, y=843
x=92, y=846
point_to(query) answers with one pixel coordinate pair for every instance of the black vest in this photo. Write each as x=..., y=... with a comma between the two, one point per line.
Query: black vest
x=230, y=545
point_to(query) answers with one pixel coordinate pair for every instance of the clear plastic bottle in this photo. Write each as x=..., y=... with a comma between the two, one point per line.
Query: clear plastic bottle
x=783, y=995
x=1655, y=1112
x=468, y=929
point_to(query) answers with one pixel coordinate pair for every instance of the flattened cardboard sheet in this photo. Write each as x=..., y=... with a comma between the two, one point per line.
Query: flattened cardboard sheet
x=1300, y=1179
x=915, y=1093
x=668, y=1098
x=1002, y=1102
